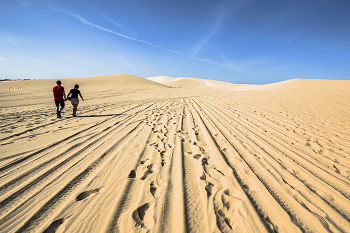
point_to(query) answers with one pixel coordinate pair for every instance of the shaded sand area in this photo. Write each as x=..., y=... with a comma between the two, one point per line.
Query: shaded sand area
x=176, y=155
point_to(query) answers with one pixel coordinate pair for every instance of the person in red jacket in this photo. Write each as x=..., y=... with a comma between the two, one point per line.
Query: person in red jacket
x=58, y=94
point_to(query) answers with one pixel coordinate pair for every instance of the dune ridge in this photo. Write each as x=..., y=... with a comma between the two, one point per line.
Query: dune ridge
x=176, y=155
x=188, y=82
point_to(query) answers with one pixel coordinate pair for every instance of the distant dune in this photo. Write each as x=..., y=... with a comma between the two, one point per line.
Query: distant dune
x=187, y=82
x=93, y=84
x=175, y=155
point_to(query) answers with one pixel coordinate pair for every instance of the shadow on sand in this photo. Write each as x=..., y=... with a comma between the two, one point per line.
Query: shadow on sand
x=105, y=115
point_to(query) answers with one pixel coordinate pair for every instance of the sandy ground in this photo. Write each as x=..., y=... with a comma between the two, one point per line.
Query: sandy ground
x=182, y=155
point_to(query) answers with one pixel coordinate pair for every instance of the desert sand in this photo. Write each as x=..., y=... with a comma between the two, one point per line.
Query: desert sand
x=175, y=155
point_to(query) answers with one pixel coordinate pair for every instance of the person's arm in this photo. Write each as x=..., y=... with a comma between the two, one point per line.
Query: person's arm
x=69, y=93
x=81, y=96
x=64, y=94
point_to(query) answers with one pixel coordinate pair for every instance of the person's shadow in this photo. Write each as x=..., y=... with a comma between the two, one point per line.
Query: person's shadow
x=104, y=115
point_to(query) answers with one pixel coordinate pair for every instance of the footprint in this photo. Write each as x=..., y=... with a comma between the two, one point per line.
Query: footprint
x=148, y=172
x=224, y=222
x=143, y=161
x=132, y=174
x=233, y=204
x=86, y=194
x=143, y=216
x=235, y=193
x=54, y=226
x=153, y=188
x=231, y=210
x=205, y=161
x=203, y=176
x=162, y=154
x=208, y=188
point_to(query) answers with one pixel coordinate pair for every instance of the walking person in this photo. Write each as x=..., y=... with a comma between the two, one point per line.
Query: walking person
x=58, y=94
x=74, y=98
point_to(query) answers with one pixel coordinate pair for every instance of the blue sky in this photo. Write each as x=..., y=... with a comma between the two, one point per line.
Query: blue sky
x=239, y=41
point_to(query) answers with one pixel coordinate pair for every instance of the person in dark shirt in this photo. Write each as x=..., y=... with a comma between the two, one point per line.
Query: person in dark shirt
x=58, y=94
x=74, y=98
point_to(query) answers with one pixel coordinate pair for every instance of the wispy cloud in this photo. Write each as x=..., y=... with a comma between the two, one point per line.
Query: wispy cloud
x=2, y=58
x=230, y=64
x=84, y=21
x=24, y=2
x=126, y=63
x=117, y=24
x=289, y=39
x=220, y=12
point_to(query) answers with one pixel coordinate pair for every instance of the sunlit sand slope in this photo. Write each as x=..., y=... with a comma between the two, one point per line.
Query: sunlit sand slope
x=171, y=160
x=187, y=82
x=31, y=93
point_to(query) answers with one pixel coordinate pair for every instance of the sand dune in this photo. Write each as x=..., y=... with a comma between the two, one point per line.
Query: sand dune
x=187, y=82
x=176, y=155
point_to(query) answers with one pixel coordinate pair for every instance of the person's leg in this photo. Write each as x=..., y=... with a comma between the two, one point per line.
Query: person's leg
x=62, y=105
x=75, y=107
x=72, y=108
x=57, y=104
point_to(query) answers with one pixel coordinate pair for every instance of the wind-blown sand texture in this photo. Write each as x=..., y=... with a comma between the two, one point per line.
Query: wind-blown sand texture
x=187, y=155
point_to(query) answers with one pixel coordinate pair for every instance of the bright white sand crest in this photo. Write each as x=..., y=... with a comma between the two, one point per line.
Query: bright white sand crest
x=175, y=155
